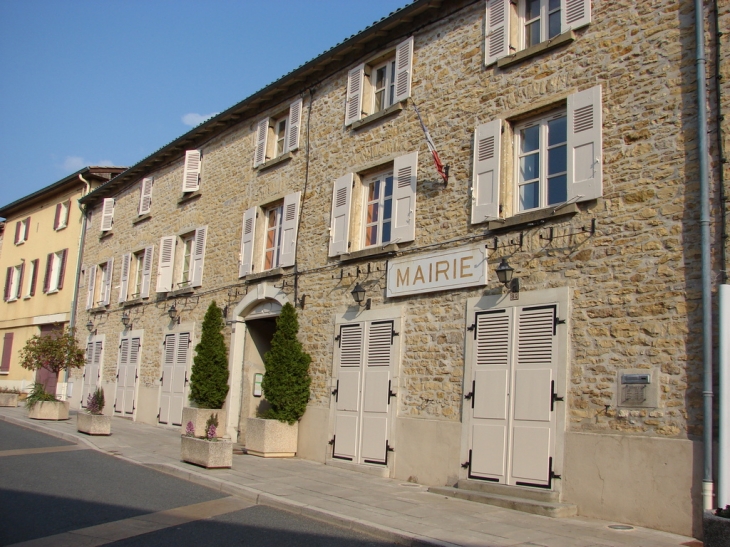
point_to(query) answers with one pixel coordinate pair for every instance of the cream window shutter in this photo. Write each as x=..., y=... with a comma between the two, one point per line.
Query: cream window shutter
x=262, y=132
x=295, y=120
x=107, y=214
x=348, y=359
x=124, y=289
x=145, y=198
x=245, y=264
x=403, y=69
x=147, y=271
x=340, y=222
x=497, y=30
x=165, y=263
x=191, y=173
x=353, y=106
x=107, y=287
x=289, y=224
x=585, y=172
x=92, y=285
x=199, y=255
x=405, y=170
x=575, y=14
x=485, y=184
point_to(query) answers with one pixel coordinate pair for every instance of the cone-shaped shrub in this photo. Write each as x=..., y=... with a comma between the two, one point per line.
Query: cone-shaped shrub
x=209, y=378
x=286, y=381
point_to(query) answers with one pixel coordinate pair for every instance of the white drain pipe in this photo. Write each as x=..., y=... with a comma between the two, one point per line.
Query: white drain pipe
x=723, y=463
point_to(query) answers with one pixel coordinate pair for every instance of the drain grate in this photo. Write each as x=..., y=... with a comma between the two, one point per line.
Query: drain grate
x=620, y=527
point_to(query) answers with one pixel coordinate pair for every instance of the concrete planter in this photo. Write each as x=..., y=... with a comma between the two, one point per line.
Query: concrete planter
x=715, y=530
x=49, y=410
x=208, y=454
x=93, y=424
x=199, y=416
x=9, y=399
x=271, y=438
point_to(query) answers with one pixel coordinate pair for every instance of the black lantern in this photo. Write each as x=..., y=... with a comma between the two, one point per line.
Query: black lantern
x=125, y=319
x=358, y=294
x=172, y=312
x=90, y=326
x=504, y=272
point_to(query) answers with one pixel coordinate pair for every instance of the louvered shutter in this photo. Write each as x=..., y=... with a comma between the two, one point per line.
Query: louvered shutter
x=26, y=229
x=262, y=132
x=8, y=281
x=245, y=264
x=34, y=277
x=486, y=179
x=47, y=276
x=179, y=378
x=145, y=197
x=497, y=30
x=376, y=397
x=405, y=170
x=147, y=271
x=168, y=369
x=65, y=213
x=403, y=70
x=295, y=121
x=198, y=255
x=191, y=173
x=575, y=14
x=124, y=289
x=121, y=375
x=62, y=268
x=19, y=288
x=107, y=288
x=165, y=263
x=289, y=225
x=17, y=231
x=131, y=377
x=92, y=282
x=57, y=218
x=353, y=105
x=585, y=171
x=107, y=214
x=347, y=398
x=7, y=352
x=340, y=222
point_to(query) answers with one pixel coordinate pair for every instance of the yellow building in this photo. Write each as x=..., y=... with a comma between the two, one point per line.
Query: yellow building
x=39, y=257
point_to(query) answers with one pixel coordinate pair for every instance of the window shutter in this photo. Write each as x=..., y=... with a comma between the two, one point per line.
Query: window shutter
x=8, y=280
x=261, y=133
x=289, y=225
x=19, y=288
x=245, y=264
x=486, y=179
x=57, y=219
x=199, y=255
x=62, y=269
x=295, y=120
x=497, y=29
x=124, y=289
x=17, y=231
x=585, y=172
x=33, y=277
x=403, y=69
x=145, y=198
x=353, y=106
x=191, y=173
x=405, y=169
x=164, y=265
x=65, y=213
x=92, y=283
x=7, y=352
x=47, y=277
x=107, y=215
x=147, y=271
x=347, y=401
x=575, y=14
x=26, y=231
x=340, y=222
x=107, y=287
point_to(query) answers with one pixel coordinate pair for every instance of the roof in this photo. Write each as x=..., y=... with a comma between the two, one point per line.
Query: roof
x=398, y=23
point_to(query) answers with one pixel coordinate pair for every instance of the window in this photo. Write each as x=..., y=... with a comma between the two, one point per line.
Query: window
x=145, y=196
x=136, y=275
x=379, y=208
x=379, y=83
x=55, y=271
x=191, y=171
x=107, y=215
x=32, y=278
x=181, y=260
x=13, y=282
x=556, y=159
x=61, y=219
x=537, y=21
x=277, y=245
x=279, y=134
x=99, y=285
x=22, y=230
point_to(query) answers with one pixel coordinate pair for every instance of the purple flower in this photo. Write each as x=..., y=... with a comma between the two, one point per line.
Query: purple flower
x=211, y=432
x=190, y=430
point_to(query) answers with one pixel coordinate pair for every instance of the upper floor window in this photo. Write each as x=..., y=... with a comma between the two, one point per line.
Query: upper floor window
x=32, y=278
x=22, y=230
x=60, y=221
x=13, y=282
x=279, y=134
x=181, y=260
x=540, y=21
x=378, y=209
x=107, y=214
x=99, y=284
x=55, y=271
x=145, y=196
x=136, y=275
x=191, y=171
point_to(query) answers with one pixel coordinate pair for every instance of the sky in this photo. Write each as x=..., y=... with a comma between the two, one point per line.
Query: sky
x=108, y=82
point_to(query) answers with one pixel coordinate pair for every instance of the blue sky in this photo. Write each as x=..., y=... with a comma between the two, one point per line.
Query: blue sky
x=103, y=82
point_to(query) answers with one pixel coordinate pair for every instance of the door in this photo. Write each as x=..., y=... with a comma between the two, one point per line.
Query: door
x=127, y=376
x=48, y=378
x=513, y=415
x=92, y=372
x=174, y=377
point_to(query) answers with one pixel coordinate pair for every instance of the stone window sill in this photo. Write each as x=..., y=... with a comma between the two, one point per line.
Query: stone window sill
x=19, y=243
x=378, y=115
x=379, y=252
x=133, y=302
x=275, y=272
x=533, y=218
x=181, y=292
x=189, y=196
x=105, y=235
x=561, y=39
x=141, y=219
x=63, y=227
x=276, y=161
x=98, y=309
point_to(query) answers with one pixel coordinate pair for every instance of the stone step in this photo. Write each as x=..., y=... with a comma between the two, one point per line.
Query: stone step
x=537, y=494
x=544, y=508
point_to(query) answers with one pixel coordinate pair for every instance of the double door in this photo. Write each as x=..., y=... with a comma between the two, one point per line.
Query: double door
x=129, y=349
x=92, y=370
x=174, y=380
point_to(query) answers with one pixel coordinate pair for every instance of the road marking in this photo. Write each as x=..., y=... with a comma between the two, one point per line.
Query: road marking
x=44, y=450
x=103, y=534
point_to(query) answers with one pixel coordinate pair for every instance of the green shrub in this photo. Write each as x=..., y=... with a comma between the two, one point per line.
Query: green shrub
x=54, y=352
x=209, y=378
x=95, y=401
x=38, y=394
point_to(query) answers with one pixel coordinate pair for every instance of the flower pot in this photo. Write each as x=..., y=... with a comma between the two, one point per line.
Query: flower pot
x=715, y=530
x=199, y=416
x=49, y=410
x=93, y=424
x=9, y=399
x=205, y=453
x=271, y=438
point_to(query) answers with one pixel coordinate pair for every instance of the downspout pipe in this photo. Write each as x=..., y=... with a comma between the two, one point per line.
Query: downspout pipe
x=723, y=465
x=707, y=484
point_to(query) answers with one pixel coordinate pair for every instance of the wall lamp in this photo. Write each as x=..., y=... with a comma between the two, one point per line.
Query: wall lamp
x=505, y=274
x=90, y=326
x=358, y=293
x=174, y=314
x=126, y=319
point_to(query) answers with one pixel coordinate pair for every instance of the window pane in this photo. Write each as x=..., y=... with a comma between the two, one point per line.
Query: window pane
x=529, y=167
x=554, y=4
x=553, y=24
x=387, y=209
x=557, y=131
x=532, y=34
x=386, y=232
x=532, y=9
x=269, y=260
x=371, y=235
x=372, y=213
x=530, y=138
x=380, y=77
x=388, y=186
x=529, y=196
x=557, y=189
x=270, y=235
x=378, y=101
x=557, y=160
x=272, y=218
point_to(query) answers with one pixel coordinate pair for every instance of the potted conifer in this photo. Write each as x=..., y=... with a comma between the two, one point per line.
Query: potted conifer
x=286, y=389
x=93, y=422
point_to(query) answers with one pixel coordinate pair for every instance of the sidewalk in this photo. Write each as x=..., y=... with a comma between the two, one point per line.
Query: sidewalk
x=393, y=510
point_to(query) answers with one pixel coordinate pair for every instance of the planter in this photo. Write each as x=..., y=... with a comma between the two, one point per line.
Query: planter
x=715, y=530
x=9, y=399
x=271, y=438
x=199, y=416
x=93, y=424
x=208, y=454
x=49, y=410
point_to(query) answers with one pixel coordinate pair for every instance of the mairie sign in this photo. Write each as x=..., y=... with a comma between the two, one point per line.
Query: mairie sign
x=439, y=271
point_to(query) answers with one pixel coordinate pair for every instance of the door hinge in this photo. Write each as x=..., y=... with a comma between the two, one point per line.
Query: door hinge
x=470, y=395
x=336, y=391
x=390, y=392
x=186, y=379
x=162, y=378
x=554, y=396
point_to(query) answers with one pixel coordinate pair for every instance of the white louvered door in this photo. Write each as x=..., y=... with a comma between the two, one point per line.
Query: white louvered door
x=129, y=348
x=91, y=372
x=376, y=396
x=121, y=375
x=174, y=377
x=347, y=395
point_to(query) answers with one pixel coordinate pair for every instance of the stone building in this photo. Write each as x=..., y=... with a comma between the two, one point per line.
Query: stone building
x=569, y=130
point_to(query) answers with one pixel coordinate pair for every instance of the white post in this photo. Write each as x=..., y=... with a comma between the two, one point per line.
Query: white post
x=723, y=471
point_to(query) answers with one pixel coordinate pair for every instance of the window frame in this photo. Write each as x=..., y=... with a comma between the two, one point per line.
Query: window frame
x=277, y=210
x=367, y=183
x=137, y=276
x=62, y=215
x=184, y=276
x=388, y=89
x=22, y=229
x=544, y=22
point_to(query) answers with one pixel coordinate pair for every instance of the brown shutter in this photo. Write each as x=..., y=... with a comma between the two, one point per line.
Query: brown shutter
x=62, y=272
x=34, y=278
x=17, y=232
x=7, y=352
x=19, y=289
x=26, y=236
x=47, y=278
x=8, y=278
x=58, y=216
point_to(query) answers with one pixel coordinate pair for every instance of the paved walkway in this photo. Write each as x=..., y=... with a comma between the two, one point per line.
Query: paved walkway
x=400, y=512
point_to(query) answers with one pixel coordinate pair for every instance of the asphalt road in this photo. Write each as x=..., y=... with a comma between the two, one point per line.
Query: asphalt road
x=54, y=492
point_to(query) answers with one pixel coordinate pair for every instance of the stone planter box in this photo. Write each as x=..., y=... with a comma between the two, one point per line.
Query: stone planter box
x=715, y=530
x=49, y=410
x=9, y=399
x=199, y=416
x=93, y=424
x=271, y=438
x=208, y=454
